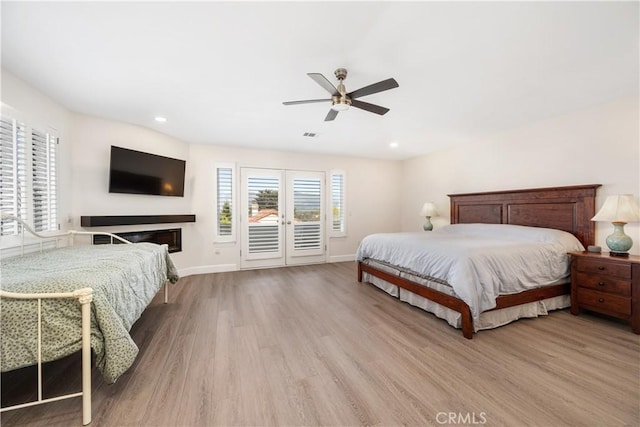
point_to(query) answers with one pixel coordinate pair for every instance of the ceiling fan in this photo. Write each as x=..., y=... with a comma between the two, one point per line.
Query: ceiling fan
x=341, y=100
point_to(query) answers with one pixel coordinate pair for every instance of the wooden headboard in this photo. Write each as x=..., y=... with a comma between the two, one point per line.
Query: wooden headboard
x=564, y=208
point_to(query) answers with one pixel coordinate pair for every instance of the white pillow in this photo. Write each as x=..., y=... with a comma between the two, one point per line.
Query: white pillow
x=516, y=232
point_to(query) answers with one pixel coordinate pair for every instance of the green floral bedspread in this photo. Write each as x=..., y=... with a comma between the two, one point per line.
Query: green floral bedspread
x=124, y=279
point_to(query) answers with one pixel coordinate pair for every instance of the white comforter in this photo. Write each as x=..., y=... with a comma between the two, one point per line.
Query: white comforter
x=479, y=261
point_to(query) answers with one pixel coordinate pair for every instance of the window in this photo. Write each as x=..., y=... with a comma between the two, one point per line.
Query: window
x=43, y=181
x=338, y=210
x=28, y=188
x=225, y=203
x=12, y=173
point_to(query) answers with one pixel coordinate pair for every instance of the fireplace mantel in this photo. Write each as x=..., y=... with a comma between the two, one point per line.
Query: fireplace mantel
x=105, y=221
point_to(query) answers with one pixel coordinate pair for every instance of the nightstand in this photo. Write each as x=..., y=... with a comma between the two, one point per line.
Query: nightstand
x=606, y=284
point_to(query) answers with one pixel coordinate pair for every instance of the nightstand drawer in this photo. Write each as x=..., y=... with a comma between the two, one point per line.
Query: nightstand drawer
x=605, y=266
x=604, y=303
x=604, y=283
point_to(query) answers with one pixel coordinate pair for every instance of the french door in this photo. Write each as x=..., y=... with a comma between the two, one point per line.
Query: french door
x=282, y=217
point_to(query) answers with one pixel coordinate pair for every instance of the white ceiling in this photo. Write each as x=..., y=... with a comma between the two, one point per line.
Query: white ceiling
x=219, y=71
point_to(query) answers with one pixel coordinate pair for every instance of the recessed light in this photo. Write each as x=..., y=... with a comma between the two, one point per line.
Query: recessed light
x=161, y=119
x=393, y=145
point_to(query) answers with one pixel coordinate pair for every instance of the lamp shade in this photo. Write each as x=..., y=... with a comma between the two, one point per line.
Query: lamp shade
x=428, y=209
x=619, y=208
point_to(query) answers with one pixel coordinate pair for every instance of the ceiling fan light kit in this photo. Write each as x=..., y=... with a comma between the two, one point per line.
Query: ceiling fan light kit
x=341, y=105
x=341, y=100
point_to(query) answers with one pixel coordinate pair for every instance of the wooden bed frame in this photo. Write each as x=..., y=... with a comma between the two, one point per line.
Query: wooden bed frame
x=565, y=208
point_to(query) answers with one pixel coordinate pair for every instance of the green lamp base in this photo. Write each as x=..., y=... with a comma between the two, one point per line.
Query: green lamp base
x=618, y=242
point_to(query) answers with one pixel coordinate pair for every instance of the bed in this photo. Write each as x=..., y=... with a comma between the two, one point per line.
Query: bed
x=55, y=302
x=530, y=212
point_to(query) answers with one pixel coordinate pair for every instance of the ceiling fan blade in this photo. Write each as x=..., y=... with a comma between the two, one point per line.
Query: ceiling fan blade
x=326, y=84
x=374, y=88
x=307, y=101
x=331, y=115
x=369, y=107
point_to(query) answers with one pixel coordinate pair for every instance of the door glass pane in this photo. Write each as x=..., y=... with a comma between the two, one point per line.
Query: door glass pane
x=263, y=215
x=306, y=214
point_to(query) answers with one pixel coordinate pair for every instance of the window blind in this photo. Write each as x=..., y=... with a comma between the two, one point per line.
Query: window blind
x=307, y=195
x=12, y=173
x=43, y=175
x=225, y=201
x=338, y=218
x=263, y=215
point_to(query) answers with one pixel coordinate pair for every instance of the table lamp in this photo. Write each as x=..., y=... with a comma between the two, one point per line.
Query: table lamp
x=428, y=210
x=619, y=210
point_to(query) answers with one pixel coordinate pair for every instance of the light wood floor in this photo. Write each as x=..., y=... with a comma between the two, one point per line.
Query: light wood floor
x=312, y=346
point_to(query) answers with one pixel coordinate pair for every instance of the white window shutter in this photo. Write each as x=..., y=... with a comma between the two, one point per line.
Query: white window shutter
x=44, y=182
x=12, y=173
x=225, y=203
x=307, y=201
x=263, y=217
x=338, y=204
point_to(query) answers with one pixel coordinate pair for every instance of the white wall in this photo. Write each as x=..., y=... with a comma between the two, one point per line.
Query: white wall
x=368, y=211
x=372, y=198
x=595, y=146
x=91, y=140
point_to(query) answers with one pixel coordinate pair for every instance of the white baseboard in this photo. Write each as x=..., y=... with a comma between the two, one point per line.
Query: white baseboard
x=205, y=269
x=342, y=258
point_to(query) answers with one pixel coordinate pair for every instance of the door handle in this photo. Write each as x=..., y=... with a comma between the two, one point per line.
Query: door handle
x=288, y=222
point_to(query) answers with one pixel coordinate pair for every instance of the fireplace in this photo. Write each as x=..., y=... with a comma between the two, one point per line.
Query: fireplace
x=171, y=237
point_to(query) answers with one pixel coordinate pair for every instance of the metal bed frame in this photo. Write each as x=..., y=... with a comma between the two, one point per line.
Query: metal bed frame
x=84, y=297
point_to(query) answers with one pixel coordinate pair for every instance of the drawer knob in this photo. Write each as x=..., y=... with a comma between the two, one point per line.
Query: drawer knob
x=600, y=283
x=602, y=268
x=600, y=299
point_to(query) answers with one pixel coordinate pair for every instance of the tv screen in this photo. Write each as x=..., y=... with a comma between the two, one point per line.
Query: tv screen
x=135, y=172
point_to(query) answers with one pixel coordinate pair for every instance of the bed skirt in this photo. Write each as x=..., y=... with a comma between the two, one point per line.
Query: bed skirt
x=488, y=319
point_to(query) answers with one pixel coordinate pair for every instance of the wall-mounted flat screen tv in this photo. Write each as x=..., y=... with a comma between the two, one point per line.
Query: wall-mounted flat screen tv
x=135, y=172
